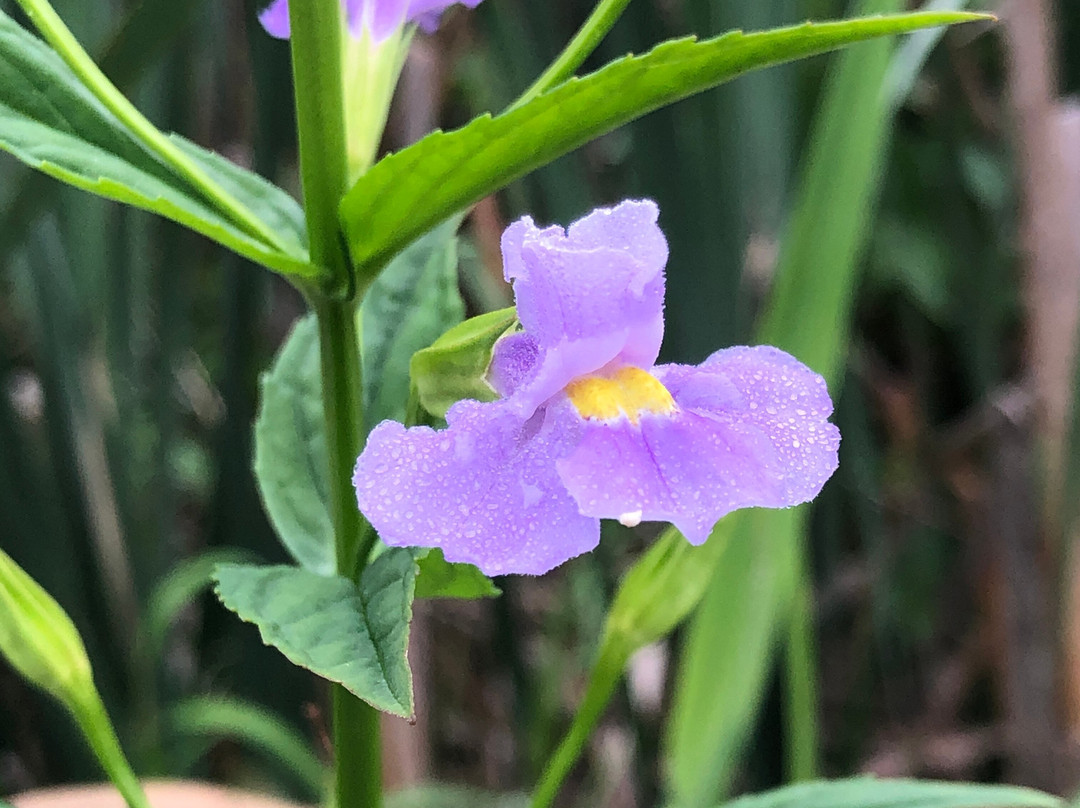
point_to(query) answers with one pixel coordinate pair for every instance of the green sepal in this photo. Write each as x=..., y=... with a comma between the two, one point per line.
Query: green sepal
x=439, y=578
x=454, y=367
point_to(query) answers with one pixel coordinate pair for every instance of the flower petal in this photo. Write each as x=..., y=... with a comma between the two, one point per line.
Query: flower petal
x=379, y=17
x=275, y=19
x=426, y=13
x=512, y=361
x=485, y=489
x=751, y=431
x=789, y=403
x=588, y=296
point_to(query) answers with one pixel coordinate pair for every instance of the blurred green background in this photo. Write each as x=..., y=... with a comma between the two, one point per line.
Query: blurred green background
x=939, y=633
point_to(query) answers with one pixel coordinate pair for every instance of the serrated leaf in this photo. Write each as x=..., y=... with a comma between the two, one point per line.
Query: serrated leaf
x=411, y=303
x=871, y=792
x=408, y=193
x=454, y=366
x=51, y=122
x=439, y=578
x=354, y=635
x=291, y=459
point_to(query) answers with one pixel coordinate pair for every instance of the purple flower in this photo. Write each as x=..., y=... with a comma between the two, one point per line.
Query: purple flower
x=587, y=427
x=379, y=17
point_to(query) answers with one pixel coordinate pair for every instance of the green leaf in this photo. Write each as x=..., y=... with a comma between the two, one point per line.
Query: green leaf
x=253, y=726
x=870, y=792
x=291, y=460
x=409, y=192
x=356, y=636
x=411, y=303
x=51, y=122
x=439, y=578
x=455, y=365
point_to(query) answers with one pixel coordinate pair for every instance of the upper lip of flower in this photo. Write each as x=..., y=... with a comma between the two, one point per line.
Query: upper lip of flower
x=587, y=426
x=379, y=18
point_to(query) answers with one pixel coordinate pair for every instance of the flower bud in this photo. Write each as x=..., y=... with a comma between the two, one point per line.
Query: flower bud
x=38, y=638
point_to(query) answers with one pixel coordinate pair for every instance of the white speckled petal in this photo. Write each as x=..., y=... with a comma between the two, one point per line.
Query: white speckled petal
x=750, y=431
x=485, y=489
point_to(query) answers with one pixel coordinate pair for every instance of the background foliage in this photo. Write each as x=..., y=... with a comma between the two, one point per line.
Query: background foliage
x=933, y=569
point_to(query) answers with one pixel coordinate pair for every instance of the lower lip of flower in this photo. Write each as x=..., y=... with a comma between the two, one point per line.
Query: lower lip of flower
x=627, y=392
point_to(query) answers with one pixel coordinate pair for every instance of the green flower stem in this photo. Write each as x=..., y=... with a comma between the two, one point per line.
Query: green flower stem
x=318, y=28
x=58, y=35
x=603, y=680
x=94, y=721
x=603, y=17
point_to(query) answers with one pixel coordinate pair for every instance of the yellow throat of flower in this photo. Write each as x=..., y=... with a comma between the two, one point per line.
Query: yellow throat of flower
x=628, y=391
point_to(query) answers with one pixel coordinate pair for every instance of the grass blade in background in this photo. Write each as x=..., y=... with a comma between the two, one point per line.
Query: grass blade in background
x=253, y=726
x=809, y=315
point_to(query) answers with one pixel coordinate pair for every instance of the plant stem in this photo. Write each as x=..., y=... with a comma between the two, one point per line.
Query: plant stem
x=358, y=769
x=602, y=683
x=318, y=27
x=94, y=721
x=58, y=35
x=339, y=356
x=577, y=51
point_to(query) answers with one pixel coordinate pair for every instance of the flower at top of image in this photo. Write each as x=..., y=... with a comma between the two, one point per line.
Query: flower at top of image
x=380, y=18
x=587, y=427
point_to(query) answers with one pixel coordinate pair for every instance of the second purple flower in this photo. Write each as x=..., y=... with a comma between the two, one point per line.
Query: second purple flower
x=380, y=18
